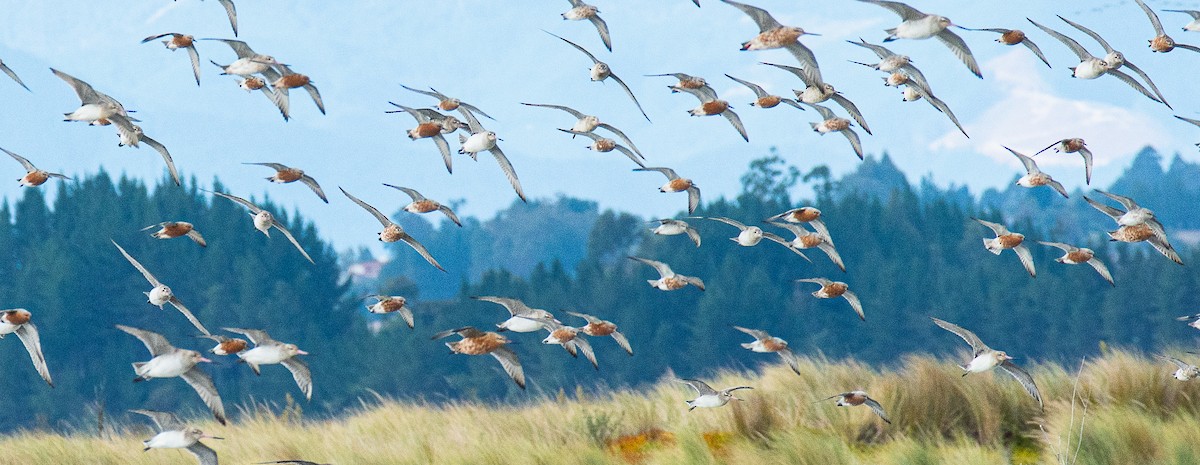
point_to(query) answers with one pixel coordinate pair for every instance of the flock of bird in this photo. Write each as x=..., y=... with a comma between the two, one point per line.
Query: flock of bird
x=274, y=79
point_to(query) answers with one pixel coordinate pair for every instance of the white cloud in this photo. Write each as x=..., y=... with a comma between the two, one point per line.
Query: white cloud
x=1029, y=116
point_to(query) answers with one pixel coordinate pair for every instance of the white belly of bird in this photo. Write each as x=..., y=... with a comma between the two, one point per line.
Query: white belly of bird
x=670, y=229
x=910, y=94
x=264, y=355
x=1090, y=69
x=245, y=67
x=813, y=95
x=90, y=112
x=598, y=73
x=1193, y=26
x=577, y=13
x=521, y=325
x=982, y=363
x=923, y=28
x=749, y=237
x=7, y=328
x=893, y=63
x=584, y=125
x=709, y=401
x=159, y=295
x=263, y=221
x=757, y=346
x=165, y=366
x=1134, y=217
x=823, y=127
x=477, y=143
x=169, y=440
x=1182, y=374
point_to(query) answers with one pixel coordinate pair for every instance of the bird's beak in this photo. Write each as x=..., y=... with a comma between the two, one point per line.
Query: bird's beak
x=202, y=359
x=212, y=437
x=301, y=352
x=811, y=34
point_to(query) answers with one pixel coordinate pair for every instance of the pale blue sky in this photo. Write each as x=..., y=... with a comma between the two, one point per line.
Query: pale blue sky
x=493, y=55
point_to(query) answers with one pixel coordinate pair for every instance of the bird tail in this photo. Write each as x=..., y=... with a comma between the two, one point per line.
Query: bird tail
x=652, y=282
x=747, y=345
x=993, y=246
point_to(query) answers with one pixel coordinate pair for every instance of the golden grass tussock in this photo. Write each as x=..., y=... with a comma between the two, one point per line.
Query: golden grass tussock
x=1131, y=411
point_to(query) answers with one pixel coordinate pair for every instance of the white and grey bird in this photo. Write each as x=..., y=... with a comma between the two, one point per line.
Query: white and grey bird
x=678, y=184
x=668, y=280
x=1092, y=67
x=673, y=227
x=1006, y=239
x=420, y=204
x=1035, y=177
x=580, y=11
x=749, y=236
x=522, y=318
x=1078, y=255
x=167, y=361
x=17, y=321
x=392, y=232
x=160, y=294
x=481, y=140
x=588, y=123
x=1194, y=24
x=816, y=91
x=601, y=71
x=173, y=433
x=902, y=72
x=917, y=26
x=249, y=63
x=709, y=397
x=95, y=107
x=1136, y=224
x=985, y=358
x=448, y=103
x=268, y=351
x=1183, y=371
x=264, y=221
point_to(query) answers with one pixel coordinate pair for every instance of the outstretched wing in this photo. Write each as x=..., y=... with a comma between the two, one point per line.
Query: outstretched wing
x=301, y=374
x=977, y=345
x=257, y=336
x=22, y=160
x=1026, y=381
x=372, y=210
x=701, y=387
x=203, y=384
x=512, y=365
x=288, y=234
x=165, y=421
x=149, y=277
x=878, y=409
x=28, y=334
x=204, y=454
x=629, y=92
x=663, y=269
x=175, y=302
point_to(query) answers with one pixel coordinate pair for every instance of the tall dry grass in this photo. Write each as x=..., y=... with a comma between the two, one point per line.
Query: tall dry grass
x=1135, y=413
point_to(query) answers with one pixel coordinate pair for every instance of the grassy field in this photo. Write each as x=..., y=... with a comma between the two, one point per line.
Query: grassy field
x=1127, y=406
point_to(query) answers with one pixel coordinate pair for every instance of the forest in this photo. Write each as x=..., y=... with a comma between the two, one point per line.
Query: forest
x=911, y=252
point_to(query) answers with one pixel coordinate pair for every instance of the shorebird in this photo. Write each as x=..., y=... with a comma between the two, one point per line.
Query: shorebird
x=160, y=294
x=1074, y=145
x=17, y=321
x=984, y=358
x=678, y=184
x=1014, y=37
x=1136, y=224
x=448, y=103
x=601, y=71
x=247, y=65
x=1194, y=25
x=174, y=434
x=230, y=11
x=806, y=239
x=686, y=81
x=596, y=327
x=391, y=304
x=604, y=145
x=589, y=123
x=917, y=25
x=482, y=139
x=476, y=342
x=392, y=232
x=580, y=11
x=1113, y=59
x=178, y=41
x=1184, y=371
x=95, y=107
x=817, y=91
x=169, y=362
x=772, y=34
x=289, y=79
x=264, y=220
x=173, y=229
x=522, y=318
x=711, y=105
x=762, y=99
x=904, y=73
x=1162, y=42
x=833, y=289
x=673, y=227
x=33, y=176
x=131, y=135
x=1006, y=239
x=226, y=345
x=13, y=75
x=427, y=127
x=668, y=280
x=856, y=398
x=1077, y=255
x=749, y=236
x=834, y=123
x=285, y=174
x=268, y=351
x=420, y=204
x=569, y=338
x=709, y=397
x=807, y=215
x=766, y=343
x=1034, y=177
